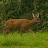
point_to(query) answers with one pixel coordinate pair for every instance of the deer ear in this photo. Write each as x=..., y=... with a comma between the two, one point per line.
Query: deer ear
x=33, y=15
x=38, y=15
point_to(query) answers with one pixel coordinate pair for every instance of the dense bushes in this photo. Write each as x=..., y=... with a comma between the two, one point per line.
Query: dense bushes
x=22, y=8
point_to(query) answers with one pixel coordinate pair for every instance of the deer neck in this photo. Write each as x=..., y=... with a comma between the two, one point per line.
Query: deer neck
x=31, y=21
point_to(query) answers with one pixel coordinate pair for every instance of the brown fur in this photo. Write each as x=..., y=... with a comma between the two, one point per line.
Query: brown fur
x=20, y=24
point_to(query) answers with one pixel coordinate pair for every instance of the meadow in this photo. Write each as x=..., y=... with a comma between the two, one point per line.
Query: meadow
x=27, y=40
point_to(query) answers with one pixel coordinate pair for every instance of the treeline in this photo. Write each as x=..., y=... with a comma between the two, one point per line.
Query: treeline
x=16, y=9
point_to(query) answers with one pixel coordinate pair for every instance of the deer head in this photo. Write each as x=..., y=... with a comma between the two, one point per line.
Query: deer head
x=36, y=17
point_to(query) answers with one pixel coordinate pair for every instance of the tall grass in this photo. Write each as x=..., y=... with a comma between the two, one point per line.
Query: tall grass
x=27, y=40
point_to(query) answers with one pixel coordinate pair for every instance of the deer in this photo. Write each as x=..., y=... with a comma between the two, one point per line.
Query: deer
x=21, y=24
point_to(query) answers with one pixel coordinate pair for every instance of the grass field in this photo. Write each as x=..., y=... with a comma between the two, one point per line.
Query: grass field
x=27, y=40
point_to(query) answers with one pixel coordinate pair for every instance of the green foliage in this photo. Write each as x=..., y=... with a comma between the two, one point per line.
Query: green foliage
x=22, y=9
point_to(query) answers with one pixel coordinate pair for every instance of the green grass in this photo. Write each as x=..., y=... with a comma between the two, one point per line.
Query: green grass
x=27, y=40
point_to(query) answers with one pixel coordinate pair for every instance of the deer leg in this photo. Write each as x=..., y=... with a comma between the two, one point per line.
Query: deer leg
x=30, y=30
x=6, y=30
x=21, y=31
